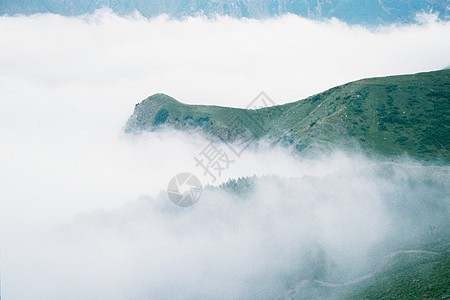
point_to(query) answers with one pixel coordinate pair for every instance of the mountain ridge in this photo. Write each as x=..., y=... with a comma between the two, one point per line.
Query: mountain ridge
x=393, y=116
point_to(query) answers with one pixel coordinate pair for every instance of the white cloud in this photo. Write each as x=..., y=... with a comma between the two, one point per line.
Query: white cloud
x=67, y=87
x=223, y=61
x=225, y=247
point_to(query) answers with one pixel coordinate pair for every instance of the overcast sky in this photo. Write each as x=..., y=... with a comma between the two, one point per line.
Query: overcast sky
x=223, y=61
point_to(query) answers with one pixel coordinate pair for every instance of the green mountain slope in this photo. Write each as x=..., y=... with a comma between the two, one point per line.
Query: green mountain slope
x=392, y=116
x=416, y=276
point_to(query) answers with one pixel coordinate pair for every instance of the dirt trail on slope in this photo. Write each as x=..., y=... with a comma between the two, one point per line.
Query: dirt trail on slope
x=384, y=261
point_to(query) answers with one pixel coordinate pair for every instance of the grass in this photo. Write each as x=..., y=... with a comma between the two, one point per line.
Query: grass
x=410, y=276
x=391, y=116
x=388, y=116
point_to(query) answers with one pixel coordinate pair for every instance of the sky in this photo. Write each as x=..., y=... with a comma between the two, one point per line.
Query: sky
x=220, y=61
x=83, y=213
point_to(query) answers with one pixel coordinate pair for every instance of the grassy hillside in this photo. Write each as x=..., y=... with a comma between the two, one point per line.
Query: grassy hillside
x=417, y=276
x=406, y=277
x=391, y=116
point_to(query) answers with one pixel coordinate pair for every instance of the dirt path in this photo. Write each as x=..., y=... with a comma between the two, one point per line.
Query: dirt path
x=384, y=261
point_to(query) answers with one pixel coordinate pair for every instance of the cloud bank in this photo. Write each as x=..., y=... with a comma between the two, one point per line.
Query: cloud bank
x=335, y=223
x=70, y=222
x=222, y=61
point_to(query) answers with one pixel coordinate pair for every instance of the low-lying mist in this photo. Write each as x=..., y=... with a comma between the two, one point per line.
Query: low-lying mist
x=83, y=208
x=334, y=220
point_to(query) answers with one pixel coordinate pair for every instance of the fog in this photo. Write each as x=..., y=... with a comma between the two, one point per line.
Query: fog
x=83, y=209
x=344, y=212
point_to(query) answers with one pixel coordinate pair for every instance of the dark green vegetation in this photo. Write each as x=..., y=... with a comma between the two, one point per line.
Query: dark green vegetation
x=391, y=116
x=410, y=276
x=407, y=276
x=240, y=186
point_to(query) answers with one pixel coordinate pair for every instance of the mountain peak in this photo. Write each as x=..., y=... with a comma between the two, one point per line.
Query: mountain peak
x=160, y=97
x=392, y=115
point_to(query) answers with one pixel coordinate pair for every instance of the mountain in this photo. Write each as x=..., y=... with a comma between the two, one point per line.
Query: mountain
x=391, y=116
x=396, y=270
x=350, y=11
